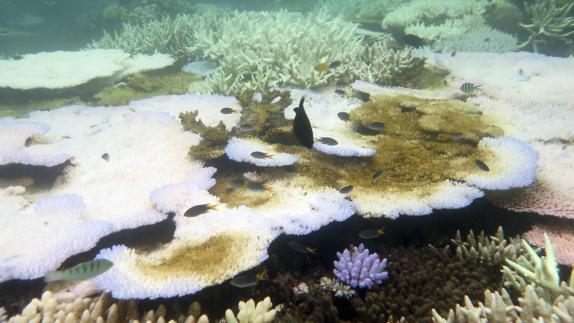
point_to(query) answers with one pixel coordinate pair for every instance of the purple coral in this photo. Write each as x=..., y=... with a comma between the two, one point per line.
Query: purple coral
x=358, y=268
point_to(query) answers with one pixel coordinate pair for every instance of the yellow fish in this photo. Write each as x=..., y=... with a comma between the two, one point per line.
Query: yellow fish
x=322, y=67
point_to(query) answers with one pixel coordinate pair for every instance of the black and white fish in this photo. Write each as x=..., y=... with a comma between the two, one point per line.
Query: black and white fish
x=260, y=155
x=82, y=271
x=328, y=141
x=469, y=88
x=344, y=116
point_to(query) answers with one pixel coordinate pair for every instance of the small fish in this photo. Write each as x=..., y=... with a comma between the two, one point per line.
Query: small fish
x=299, y=247
x=413, y=40
x=481, y=165
x=321, y=67
x=260, y=155
x=335, y=64
x=371, y=233
x=82, y=271
x=227, y=110
x=346, y=189
x=407, y=108
x=377, y=126
x=246, y=127
x=257, y=187
x=453, y=53
x=344, y=116
x=106, y=157
x=28, y=142
x=244, y=280
x=199, y=209
x=302, y=126
x=328, y=141
x=17, y=57
x=49, y=2
x=469, y=88
x=339, y=92
x=363, y=96
x=238, y=182
x=377, y=175
x=276, y=99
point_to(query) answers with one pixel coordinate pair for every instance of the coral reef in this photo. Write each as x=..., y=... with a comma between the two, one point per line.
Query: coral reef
x=360, y=269
x=550, y=21
x=54, y=70
x=249, y=312
x=543, y=297
x=561, y=236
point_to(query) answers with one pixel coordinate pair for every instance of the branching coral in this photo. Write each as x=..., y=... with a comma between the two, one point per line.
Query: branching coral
x=550, y=21
x=360, y=269
x=249, y=312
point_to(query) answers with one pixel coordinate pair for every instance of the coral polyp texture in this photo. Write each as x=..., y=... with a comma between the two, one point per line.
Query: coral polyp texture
x=360, y=269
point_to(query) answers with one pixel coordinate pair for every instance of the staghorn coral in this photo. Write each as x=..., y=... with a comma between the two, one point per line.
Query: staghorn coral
x=550, y=21
x=561, y=236
x=249, y=312
x=360, y=269
x=543, y=297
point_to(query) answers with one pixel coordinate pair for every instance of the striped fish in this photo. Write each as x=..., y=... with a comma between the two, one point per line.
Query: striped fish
x=82, y=271
x=469, y=88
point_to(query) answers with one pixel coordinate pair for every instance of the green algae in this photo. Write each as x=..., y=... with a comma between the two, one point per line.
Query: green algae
x=144, y=85
x=209, y=260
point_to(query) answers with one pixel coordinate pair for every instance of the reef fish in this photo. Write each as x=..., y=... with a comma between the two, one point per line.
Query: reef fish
x=302, y=126
x=28, y=142
x=344, y=116
x=106, y=157
x=481, y=165
x=257, y=187
x=199, y=209
x=413, y=40
x=346, y=189
x=227, y=110
x=339, y=92
x=260, y=155
x=246, y=127
x=469, y=88
x=299, y=247
x=371, y=233
x=249, y=279
x=82, y=271
x=376, y=126
x=328, y=141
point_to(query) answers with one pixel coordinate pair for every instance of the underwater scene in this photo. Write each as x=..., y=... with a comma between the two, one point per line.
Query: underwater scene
x=249, y=161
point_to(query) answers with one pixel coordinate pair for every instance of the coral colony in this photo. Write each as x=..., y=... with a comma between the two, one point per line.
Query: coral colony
x=360, y=269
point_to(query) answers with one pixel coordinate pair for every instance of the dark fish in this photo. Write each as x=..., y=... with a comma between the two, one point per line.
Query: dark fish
x=339, y=92
x=302, y=126
x=407, y=108
x=238, y=182
x=199, y=209
x=227, y=110
x=28, y=142
x=260, y=155
x=82, y=271
x=328, y=141
x=17, y=57
x=257, y=187
x=106, y=157
x=346, y=189
x=377, y=126
x=469, y=87
x=344, y=116
x=335, y=64
x=481, y=165
x=413, y=40
x=363, y=96
x=486, y=40
x=377, y=175
x=244, y=280
x=299, y=247
x=371, y=233
x=246, y=127
x=453, y=53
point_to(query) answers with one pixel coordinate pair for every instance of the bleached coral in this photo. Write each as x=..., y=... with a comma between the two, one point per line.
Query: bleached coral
x=512, y=163
x=431, y=12
x=60, y=69
x=481, y=40
x=242, y=150
x=561, y=236
x=549, y=22
x=249, y=312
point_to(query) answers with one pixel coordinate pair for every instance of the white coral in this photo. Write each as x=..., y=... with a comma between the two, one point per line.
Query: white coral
x=249, y=312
